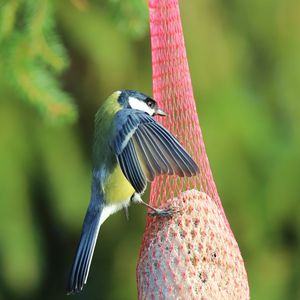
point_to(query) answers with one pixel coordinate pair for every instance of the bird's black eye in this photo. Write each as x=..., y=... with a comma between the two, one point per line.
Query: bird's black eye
x=150, y=103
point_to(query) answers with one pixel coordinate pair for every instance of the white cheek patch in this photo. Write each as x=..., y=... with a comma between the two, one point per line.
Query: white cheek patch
x=140, y=105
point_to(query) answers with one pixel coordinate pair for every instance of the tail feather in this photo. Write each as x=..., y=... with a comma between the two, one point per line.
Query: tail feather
x=85, y=249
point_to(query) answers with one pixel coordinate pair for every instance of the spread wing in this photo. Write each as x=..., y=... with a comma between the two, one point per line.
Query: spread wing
x=145, y=149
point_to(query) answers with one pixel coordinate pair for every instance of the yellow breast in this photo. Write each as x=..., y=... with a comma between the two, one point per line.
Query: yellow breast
x=117, y=188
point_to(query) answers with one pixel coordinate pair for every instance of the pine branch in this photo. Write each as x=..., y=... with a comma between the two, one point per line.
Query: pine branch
x=32, y=57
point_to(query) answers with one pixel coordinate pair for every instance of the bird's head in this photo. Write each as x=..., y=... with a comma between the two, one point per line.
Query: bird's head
x=137, y=100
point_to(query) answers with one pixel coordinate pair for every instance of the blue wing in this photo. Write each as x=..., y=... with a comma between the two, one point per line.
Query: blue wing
x=145, y=149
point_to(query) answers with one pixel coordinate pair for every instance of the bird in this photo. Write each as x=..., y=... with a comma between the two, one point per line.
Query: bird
x=130, y=149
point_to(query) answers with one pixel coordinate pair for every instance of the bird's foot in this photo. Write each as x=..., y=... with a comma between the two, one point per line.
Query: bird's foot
x=163, y=212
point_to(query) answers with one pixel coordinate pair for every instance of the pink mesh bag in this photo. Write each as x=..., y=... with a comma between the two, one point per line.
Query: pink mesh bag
x=193, y=254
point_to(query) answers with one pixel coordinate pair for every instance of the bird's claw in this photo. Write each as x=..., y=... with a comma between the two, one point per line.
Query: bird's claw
x=163, y=212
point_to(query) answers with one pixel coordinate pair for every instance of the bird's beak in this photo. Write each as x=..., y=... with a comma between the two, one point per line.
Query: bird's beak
x=160, y=112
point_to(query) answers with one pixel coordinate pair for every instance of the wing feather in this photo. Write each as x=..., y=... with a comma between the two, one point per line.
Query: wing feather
x=131, y=167
x=146, y=156
x=167, y=151
x=145, y=149
x=157, y=153
x=184, y=159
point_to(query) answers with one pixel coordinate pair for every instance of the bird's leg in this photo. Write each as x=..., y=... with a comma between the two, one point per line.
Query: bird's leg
x=125, y=208
x=161, y=212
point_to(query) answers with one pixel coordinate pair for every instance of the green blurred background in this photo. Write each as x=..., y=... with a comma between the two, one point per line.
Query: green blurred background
x=60, y=59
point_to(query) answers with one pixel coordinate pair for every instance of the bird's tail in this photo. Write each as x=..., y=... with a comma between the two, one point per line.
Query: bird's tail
x=86, y=246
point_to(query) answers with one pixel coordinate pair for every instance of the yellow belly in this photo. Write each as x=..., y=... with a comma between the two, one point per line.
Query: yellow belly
x=117, y=188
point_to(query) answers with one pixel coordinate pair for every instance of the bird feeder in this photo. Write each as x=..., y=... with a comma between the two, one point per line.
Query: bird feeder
x=193, y=254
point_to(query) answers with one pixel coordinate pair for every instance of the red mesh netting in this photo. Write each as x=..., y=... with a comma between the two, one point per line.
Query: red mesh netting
x=192, y=255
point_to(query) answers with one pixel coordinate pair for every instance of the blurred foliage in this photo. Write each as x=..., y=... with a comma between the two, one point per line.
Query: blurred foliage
x=33, y=56
x=245, y=66
x=130, y=16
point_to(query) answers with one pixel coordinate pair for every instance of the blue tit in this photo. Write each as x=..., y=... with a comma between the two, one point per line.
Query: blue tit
x=130, y=149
